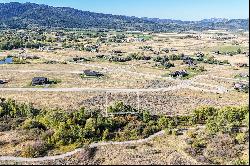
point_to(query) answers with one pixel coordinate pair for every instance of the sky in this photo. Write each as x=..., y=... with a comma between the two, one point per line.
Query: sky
x=166, y=9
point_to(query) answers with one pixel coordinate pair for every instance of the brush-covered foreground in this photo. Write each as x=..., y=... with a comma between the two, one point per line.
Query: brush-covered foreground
x=41, y=132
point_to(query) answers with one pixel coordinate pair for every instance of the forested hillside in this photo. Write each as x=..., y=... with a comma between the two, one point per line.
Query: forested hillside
x=18, y=15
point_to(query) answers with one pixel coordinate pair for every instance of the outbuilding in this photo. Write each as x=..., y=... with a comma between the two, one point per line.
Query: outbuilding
x=181, y=73
x=40, y=81
x=241, y=86
x=3, y=82
x=92, y=73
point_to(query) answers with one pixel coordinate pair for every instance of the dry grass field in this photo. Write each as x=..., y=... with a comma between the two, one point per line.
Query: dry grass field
x=201, y=89
x=132, y=74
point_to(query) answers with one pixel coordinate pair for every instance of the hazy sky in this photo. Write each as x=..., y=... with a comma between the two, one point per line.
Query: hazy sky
x=170, y=9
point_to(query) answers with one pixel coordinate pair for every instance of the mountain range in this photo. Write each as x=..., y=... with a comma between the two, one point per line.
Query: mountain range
x=25, y=15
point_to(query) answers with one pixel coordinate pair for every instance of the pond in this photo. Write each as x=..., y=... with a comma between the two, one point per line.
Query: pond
x=6, y=60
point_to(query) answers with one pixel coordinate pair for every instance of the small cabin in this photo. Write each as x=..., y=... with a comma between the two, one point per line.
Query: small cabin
x=100, y=56
x=3, y=82
x=241, y=64
x=181, y=73
x=190, y=62
x=241, y=86
x=166, y=50
x=244, y=75
x=173, y=49
x=117, y=51
x=92, y=73
x=40, y=81
x=80, y=59
x=200, y=55
x=217, y=52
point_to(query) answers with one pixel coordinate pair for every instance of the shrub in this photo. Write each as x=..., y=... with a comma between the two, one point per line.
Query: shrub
x=55, y=81
x=157, y=59
x=10, y=108
x=176, y=132
x=30, y=124
x=225, y=62
x=35, y=150
x=149, y=130
x=221, y=147
x=241, y=138
x=191, y=151
x=246, y=120
x=105, y=135
x=200, y=115
x=167, y=65
x=168, y=131
x=238, y=50
x=199, y=143
x=227, y=120
x=146, y=116
x=120, y=107
x=191, y=134
x=175, y=57
x=241, y=162
x=162, y=122
x=201, y=68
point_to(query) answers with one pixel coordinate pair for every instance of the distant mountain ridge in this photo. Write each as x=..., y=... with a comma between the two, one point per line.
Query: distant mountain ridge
x=24, y=15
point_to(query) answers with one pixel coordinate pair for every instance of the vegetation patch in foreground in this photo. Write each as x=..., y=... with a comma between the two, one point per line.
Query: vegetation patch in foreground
x=61, y=130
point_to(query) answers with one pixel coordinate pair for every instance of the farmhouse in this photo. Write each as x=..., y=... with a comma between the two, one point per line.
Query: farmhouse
x=140, y=40
x=40, y=81
x=117, y=52
x=91, y=48
x=119, y=59
x=241, y=65
x=99, y=56
x=130, y=39
x=217, y=52
x=244, y=75
x=246, y=53
x=92, y=73
x=46, y=48
x=241, y=87
x=181, y=73
x=188, y=60
x=173, y=49
x=79, y=59
x=199, y=55
x=166, y=50
x=3, y=82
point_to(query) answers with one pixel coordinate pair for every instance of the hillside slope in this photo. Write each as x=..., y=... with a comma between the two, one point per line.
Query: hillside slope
x=18, y=15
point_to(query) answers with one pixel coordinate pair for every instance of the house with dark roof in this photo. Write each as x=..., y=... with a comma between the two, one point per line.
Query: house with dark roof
x=217, y=52
x=3, y=82
x=188, y=60
x=181, y=73
x=166, y=50
x=244, y=75
x=80, y=59
x=241, y=86
x=40, y=81
x=241, y=64
x=173, y=49
x=200, y=54
x=117, y=52
x=91, y=73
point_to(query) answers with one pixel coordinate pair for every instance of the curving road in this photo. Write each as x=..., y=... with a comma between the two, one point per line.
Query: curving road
x=184, y=85
x=62, y=156
x=41, y=71
x=92, y=145
x=223, y=78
